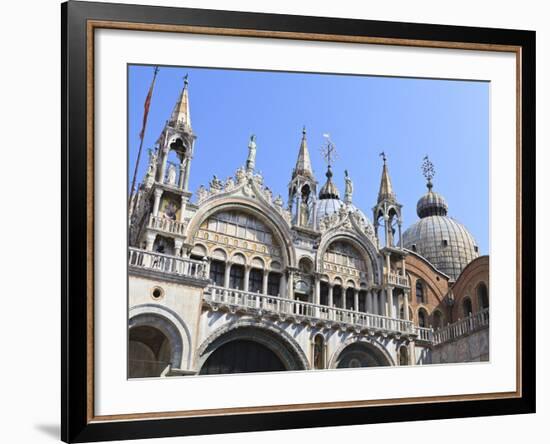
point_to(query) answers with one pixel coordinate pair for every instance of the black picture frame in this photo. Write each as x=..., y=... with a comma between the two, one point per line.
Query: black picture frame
x=76, y=423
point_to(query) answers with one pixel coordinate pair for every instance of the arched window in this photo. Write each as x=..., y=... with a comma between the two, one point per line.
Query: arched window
x=324, y=293
x=273, y=284
x=319, y=352
x=217, y=272
x=422, y=317
x=363, y=301
x=419, y=292
x=350, y=301
x=243, y=230
x=236, y=277
x=337, y=298
x=482, y=296
x=466, y=307
x=255, y=280
x=344, y=256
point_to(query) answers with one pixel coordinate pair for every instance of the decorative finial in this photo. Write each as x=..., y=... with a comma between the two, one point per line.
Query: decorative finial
x=428, y=171
x=304, y=131
x=186, y=79
x=383, y=156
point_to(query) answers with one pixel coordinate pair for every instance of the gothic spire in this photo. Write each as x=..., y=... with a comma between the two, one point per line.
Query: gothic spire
x=303, y=163
x=181, y=114
x=386, y=189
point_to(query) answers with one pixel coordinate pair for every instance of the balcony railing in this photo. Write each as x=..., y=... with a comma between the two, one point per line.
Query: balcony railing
x=290, y=307
x=168, y=225
x=397, y=280
x=462, y=327
x=177, y=266
x=425, y=334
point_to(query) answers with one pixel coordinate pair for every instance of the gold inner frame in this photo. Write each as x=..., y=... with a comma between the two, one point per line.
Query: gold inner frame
x=92, y=25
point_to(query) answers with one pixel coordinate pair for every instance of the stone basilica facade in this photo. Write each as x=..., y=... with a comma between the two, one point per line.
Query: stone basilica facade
x=231, y=279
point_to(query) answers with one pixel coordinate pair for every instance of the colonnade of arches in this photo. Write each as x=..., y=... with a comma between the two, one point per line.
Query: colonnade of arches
x=154, y=351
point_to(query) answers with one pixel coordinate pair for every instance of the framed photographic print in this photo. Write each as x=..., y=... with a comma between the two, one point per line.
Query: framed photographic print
x=276, y=221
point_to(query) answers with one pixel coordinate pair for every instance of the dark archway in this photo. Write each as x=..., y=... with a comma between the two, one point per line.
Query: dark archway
x=361, y=354
x=149, y=352
x=249, y=350
x=241, y=356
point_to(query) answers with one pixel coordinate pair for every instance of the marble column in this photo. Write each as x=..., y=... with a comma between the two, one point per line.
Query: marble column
x=290, y=284
x=183, y=207
x=156, y=204
x=265, y=281
x=187, y=173
x=406, y=305
x=317, y=293
x=330, y=295
x=182, y=174
x=163, y=165
x=389, y=302
x=177, y=247
x=149, y=241
x=369, y=302
x=282, y=286
x=246, y=277
x=384, y=309
x=226, y=276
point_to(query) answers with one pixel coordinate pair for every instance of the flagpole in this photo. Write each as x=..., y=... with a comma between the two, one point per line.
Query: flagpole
x=142, y=135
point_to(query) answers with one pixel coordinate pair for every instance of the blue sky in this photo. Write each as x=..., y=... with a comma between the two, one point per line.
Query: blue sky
x=406, y=118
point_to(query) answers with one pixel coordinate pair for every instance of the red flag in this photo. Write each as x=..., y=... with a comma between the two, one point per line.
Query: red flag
x=147, y=104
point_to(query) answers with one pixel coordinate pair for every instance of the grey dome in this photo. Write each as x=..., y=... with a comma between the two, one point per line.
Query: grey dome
x=443, y=241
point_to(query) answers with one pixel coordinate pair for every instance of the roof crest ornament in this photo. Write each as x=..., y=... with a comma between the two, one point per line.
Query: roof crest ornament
x=428, y=171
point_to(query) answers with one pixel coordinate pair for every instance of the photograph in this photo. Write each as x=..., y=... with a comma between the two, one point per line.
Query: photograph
x=285, y=221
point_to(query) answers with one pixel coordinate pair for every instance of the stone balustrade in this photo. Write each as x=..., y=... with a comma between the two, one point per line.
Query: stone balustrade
x=462, y=327
x=177, y=266
x=425, y=334
x=167, y=225
x=232, y=298
x=397, y=280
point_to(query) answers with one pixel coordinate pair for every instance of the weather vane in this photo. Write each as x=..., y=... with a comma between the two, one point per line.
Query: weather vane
x=329, y=150
x=383, y=156
x=428, y=170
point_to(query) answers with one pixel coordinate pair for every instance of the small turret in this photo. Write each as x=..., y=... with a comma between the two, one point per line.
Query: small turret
x=302, y=187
